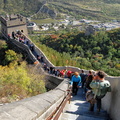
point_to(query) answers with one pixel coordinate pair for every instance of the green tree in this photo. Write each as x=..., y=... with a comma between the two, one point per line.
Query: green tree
x=10, y=56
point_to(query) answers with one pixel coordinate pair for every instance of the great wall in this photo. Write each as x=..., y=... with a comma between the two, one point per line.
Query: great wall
x=41, y=106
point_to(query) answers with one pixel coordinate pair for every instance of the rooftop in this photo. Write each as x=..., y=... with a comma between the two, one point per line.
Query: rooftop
x=13, y=20
x=12, y=17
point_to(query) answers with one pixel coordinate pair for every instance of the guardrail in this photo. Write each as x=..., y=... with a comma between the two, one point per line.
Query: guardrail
x=57, y=112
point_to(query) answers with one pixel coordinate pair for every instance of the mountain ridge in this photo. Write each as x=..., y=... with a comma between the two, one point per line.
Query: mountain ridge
x=104, y=10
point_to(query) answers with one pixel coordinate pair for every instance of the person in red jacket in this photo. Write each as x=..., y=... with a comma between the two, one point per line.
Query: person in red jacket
x=63, y=72
x=69, y=74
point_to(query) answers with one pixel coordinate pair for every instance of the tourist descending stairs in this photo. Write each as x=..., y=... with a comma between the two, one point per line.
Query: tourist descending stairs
x=78, y=109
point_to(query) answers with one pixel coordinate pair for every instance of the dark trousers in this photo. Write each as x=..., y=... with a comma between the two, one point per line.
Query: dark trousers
x=98, y=103
x=83, y=83
x=75, y=88
x=98, y=99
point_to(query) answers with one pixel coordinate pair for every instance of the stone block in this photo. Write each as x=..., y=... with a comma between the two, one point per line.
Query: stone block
x=22, y=113
x=6, y=116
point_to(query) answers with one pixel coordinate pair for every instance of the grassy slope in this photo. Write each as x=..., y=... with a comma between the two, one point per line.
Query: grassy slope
x=43, y=21
x=89, y=9
x=24, y=7
x=18, y=81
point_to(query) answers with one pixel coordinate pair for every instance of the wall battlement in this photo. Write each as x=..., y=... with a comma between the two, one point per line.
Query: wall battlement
x=13, y=20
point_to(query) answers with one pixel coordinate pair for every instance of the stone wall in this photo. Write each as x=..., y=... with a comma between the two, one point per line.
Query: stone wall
x=71, y=68
x=10, y=25
x=16, y=21
x=52, y=81
x=38, y=107
x=111, y=102
x=17, y=27
x=39, y=52
x=24, y=48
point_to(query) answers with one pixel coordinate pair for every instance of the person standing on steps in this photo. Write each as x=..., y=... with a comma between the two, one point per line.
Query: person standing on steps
x=42, y=59
x=69, y=74
x=83, y=76
x=51, y=70
x=88, y=80
x=13, y=35
x=32, y=47
x=100, y=87
x=75, y=82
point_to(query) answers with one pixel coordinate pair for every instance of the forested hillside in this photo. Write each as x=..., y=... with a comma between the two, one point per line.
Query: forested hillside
x=99, y=52
x=17, y=79
x=90, y=9
x=24, y=7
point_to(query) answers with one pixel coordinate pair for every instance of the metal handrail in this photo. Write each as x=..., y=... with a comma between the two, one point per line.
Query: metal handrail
x=57, y=112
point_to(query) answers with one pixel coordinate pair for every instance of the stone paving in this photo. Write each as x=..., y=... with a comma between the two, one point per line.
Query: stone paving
x=78, y=109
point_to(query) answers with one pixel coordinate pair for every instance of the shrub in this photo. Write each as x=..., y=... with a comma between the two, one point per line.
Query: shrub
x=10, y=56
x=17, y=82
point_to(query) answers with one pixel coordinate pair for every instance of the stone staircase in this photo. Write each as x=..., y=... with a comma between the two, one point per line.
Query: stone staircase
x=78, y=110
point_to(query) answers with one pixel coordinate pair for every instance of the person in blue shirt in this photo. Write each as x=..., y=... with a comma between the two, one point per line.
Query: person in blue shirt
x=75, y=83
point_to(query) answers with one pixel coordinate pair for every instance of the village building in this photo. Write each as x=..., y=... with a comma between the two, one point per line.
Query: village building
x=32, y=26
x=90, y=30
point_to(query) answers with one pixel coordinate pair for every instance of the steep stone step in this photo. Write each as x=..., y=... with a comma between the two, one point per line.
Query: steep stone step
x=83, y=110
x=67, y=116
x=78, y=110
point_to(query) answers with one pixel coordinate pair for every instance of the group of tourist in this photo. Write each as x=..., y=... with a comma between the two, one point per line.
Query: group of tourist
x=94, y=84
x=19, y=36
x=57, y=72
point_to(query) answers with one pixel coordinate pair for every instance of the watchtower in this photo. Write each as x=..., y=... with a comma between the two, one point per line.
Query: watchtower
x=11, y=23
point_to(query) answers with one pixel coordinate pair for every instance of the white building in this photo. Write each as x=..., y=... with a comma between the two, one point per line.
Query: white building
x=32, y=26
